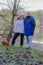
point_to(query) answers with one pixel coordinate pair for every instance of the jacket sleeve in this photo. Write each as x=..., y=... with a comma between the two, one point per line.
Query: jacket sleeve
x=33, y=25
x=14, y=26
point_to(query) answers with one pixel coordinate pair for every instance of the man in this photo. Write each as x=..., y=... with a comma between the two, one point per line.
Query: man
x=29, y=27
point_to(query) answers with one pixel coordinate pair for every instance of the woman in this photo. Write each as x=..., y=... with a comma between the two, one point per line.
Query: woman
x=19, y=29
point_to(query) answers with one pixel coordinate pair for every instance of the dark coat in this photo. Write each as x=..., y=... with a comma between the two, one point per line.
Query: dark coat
x=29, y=25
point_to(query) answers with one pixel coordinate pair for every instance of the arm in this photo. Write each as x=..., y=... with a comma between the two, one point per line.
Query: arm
x=33, y=25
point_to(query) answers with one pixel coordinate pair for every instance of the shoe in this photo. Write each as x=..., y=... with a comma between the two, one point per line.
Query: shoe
x=12, y=44
x=28, y=48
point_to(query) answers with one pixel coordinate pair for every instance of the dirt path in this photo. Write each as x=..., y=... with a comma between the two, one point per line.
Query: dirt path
x=37, y=45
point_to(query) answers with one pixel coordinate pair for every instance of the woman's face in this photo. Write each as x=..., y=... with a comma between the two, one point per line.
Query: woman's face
x=22, y=17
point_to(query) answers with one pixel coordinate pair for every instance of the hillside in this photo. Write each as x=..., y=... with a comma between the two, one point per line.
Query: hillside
x=15, y=55
x=5, y=24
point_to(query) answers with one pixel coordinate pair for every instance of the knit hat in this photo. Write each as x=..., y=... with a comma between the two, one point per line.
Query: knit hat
x=21, y=14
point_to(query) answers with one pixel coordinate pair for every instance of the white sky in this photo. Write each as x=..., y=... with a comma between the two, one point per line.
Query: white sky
x=29, y=4
x=33, y=4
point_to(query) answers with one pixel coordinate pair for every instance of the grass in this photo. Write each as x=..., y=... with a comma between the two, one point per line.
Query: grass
x=21, y=55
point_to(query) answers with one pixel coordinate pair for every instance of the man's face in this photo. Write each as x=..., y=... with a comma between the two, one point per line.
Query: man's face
x=28, y=13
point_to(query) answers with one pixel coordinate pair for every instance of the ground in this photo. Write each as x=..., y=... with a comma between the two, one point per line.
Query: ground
x=16, y=55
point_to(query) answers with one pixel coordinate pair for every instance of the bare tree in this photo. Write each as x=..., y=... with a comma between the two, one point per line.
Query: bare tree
x=13, y=7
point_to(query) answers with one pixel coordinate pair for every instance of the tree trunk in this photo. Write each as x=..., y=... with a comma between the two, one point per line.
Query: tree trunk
x=13, y=15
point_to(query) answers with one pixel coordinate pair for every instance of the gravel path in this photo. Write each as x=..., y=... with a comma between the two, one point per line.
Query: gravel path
x=37, y=45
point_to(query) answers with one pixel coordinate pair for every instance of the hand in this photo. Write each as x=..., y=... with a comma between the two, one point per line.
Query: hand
x=31, y=32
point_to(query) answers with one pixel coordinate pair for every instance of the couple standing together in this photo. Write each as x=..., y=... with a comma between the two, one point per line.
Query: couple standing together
x=24, y=26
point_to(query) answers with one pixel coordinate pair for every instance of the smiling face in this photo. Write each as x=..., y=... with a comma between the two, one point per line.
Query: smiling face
x=28, y=13
x=22, y=17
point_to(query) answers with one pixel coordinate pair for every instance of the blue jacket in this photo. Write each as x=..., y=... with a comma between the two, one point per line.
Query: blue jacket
x=29, y=26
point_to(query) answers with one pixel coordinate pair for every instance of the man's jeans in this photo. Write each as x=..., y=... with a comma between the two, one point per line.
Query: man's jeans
x=21, y=38
x=29, y=41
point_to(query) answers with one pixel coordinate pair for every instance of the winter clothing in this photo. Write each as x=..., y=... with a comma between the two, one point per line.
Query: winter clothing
x=29, y=26
x=15, y=36
x=21, y=14
x=18, y=30
x=19, y=26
